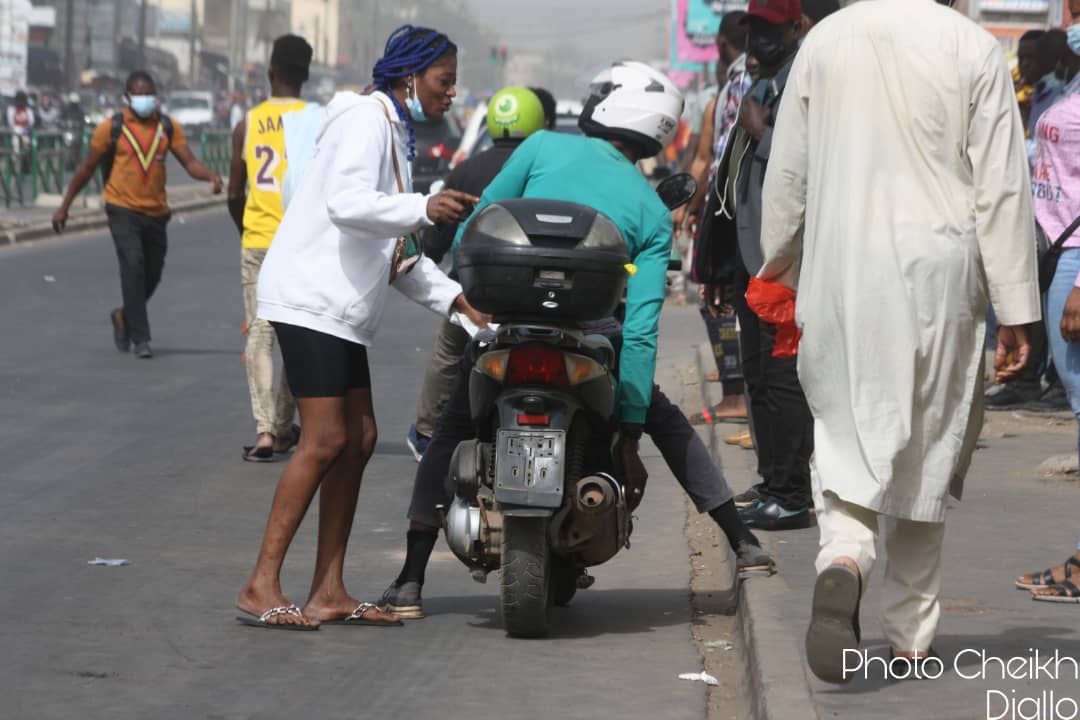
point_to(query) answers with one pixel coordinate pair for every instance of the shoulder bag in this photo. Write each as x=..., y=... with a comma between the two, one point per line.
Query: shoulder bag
x=408, y=250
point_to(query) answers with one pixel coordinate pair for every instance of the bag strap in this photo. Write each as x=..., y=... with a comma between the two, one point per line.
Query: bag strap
x=1065, y=235
x=393, y=151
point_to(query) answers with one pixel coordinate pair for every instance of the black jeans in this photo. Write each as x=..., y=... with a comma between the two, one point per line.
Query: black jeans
x=781, y=420
x=665, y=423
x=141, y=245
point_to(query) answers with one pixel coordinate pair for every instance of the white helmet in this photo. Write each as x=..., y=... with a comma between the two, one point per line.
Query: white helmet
x=631, y=101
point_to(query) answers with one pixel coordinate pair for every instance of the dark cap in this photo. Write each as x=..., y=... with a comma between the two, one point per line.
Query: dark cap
x=776, y=12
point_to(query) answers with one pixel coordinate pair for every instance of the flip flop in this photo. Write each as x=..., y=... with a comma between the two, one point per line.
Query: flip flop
x=258, y=455
x=357, y=618
x=293, y=442
x=834, y=623
x=262, y=620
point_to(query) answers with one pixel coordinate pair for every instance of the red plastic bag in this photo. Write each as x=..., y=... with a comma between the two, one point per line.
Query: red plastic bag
x=775, y=304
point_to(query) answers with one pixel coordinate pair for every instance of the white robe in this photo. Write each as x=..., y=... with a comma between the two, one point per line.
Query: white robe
x=898, y=177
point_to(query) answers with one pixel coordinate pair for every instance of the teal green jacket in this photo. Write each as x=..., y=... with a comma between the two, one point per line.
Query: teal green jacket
x=592, y=172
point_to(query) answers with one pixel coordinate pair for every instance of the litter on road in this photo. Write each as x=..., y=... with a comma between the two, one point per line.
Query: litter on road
x=108, y=562
x=701, y=676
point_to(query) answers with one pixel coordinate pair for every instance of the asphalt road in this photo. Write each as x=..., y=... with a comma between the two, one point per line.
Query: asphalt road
x=105, y=455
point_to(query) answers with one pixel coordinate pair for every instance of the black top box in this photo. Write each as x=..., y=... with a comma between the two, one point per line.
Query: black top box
x=542, y=261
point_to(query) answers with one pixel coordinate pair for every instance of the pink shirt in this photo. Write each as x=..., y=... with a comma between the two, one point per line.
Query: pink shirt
x=1055, y=180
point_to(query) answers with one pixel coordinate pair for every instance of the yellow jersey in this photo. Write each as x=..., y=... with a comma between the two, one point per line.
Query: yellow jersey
x=264, y=158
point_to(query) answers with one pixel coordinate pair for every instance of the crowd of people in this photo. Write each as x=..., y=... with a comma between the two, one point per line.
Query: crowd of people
x=830, y=209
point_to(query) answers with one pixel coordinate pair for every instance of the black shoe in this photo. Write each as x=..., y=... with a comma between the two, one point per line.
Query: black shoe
x=142, y=350
x=751, y=559
x=1053, y=400
x=748, y=498
x=119, y=332
x=834, y=623
x=1012, y=395
x=403, y=600
x=769, y=515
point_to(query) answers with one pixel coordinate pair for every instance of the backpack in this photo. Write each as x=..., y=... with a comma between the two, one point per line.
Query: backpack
x=108, y=158
x=301, y=131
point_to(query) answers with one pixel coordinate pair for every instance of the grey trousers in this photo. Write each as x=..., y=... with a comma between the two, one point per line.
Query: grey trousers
x=439, y=378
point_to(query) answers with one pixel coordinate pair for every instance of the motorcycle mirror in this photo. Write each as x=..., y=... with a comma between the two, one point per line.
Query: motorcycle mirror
x=677, y=190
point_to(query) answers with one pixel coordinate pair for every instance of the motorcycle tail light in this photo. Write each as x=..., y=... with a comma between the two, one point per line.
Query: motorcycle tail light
x=581, y=369
x=534, y=420
x=493, y=364
x=537, y=364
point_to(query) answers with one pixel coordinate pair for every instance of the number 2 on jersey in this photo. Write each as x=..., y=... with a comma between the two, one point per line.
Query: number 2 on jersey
x=265, y=179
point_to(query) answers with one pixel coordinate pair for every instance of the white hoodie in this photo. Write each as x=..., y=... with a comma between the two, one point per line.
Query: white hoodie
x=328, y=268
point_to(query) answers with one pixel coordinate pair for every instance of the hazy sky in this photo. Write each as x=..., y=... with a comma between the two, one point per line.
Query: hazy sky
x=596, y=31
x=600, y=29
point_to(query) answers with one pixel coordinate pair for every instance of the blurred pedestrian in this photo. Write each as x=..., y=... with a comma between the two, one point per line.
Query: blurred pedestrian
x=713, y=269
x=1057, y=208
x=49, y=112
x=1050, y=50
x=131, y=148
x=256, y=174
x=893, y=286
x=20, y=116
x=323, y=287
x=779, y=416
x=1026, y=73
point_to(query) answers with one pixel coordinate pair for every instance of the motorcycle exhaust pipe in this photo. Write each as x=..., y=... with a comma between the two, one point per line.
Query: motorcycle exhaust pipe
x=594, y=495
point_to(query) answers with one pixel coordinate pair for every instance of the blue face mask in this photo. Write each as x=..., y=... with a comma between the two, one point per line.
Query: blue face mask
x=416, y=109
x=143, y=105
x=1073, y=34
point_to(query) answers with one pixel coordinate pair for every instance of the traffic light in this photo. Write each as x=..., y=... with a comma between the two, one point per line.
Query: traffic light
x=494, y=55
x=502, y=52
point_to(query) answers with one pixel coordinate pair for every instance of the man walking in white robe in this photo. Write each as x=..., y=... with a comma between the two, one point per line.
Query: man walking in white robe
x=897, y=203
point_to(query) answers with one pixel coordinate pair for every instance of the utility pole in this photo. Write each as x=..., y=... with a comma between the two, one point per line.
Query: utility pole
x=193, y=67
x=118, y=15
x=142, y=35
x=69, y=46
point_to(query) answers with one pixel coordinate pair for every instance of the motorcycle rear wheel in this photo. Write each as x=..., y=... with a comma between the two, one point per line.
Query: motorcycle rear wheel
x=525, y=580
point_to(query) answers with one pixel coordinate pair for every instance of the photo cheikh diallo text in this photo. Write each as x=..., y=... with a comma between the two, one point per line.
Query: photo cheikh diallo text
x=979, y=665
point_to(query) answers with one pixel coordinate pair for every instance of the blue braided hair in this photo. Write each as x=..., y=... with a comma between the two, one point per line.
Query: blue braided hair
x=408, y=51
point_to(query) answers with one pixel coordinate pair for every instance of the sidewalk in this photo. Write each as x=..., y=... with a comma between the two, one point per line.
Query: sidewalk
x=1012, y=521
x=22, y=224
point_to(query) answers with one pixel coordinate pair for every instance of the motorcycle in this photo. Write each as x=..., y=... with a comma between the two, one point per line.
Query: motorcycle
x=537, y=495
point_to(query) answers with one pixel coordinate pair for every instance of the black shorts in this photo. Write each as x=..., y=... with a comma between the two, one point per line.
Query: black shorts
x=321, y=365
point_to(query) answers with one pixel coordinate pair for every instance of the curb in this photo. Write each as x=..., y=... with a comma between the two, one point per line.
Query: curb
x=779, y=684
x=96, y=221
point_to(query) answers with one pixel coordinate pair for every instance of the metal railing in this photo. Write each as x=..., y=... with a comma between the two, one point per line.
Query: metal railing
x=217, y=150
x=47, y=157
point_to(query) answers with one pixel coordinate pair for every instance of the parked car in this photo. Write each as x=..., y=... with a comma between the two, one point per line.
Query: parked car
x=436, y=143
x=193, y=109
